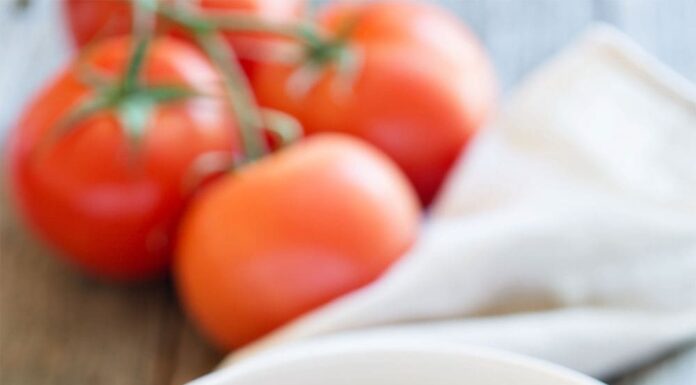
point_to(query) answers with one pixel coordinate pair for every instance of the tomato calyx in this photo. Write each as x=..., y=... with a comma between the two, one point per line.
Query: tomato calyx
x=334, y=48
x=131, y=101
x=336, y=53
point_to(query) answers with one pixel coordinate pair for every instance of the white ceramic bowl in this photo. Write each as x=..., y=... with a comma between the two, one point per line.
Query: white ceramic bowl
x=359, y=360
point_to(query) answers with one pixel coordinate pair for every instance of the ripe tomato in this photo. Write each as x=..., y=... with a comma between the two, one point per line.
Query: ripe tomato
x=289, y=233
x=110, y=209
x=423, y=88
x=90, y=19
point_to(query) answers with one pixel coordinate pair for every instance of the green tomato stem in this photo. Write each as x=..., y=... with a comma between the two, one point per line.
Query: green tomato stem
x=237, y=87
x=320, y=49
x=239, y=93
x=131, y=78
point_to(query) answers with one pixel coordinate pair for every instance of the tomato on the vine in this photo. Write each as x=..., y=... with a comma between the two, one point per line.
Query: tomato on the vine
x=423, y=85
x=290, y=232
x=108, y=198
x=90, y=19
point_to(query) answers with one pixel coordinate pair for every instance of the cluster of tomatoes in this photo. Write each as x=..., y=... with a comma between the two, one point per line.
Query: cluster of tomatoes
x=117, y=162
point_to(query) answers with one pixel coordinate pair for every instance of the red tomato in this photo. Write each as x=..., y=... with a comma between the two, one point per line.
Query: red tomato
x=423, y=88
x=109, y=210
x=289, y=233
x=90, y=19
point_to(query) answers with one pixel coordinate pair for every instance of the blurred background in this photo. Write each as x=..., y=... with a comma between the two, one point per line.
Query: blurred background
x=58, y=327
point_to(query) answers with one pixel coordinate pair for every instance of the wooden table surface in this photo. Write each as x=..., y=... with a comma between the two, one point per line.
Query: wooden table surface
x=58, y=327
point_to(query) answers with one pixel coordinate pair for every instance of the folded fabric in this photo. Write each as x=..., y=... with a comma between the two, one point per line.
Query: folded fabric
x=566, y=232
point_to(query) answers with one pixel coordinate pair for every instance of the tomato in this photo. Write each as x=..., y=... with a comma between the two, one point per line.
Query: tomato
x=109, y=206
x=289, y=233
x=424, y=86
x=91, y=19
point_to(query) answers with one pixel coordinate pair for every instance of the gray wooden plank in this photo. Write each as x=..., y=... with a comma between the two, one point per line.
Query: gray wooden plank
x=667, y=29
x=520, y=35
x=34, y=47
x=676, y=369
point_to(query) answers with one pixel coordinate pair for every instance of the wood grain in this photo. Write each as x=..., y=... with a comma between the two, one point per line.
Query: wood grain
x=678, y=368
x=57, y=327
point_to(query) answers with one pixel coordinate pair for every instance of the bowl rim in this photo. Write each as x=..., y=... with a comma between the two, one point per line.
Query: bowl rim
x=349, y=344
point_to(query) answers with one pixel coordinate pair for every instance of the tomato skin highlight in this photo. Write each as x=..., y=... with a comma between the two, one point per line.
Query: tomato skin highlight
x=424, y=87
x=108, y=208
x=91, y=19
x=289, y=233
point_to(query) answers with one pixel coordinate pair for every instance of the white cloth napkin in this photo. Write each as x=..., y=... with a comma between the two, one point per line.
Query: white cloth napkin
x=567, y=232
